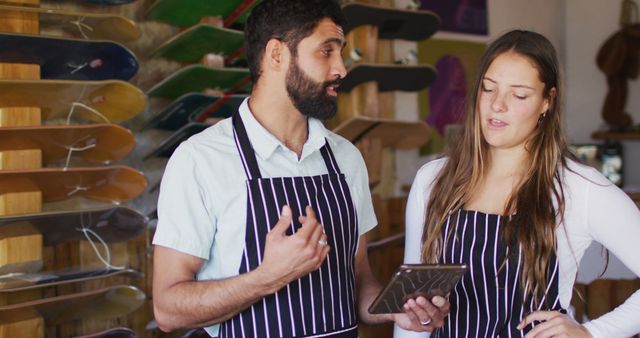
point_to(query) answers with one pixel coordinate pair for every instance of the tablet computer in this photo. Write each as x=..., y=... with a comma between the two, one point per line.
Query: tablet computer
x=413, y=280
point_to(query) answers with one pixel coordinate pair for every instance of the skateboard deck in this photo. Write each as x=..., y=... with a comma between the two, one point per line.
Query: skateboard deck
x=69, y=59
x=114, y=224
x=390, y=77
x=115, y=100
x=189, y=12
x=168, y=146
x=196, y=78
x=98, y=304
x=392, y=23
x=190, y=106
x=107, y=184
x=117, y=332
x=393, y=133
x=95, y=26
x=102, y=143
x=190, y=45
x=109, y=2
x=29, y=281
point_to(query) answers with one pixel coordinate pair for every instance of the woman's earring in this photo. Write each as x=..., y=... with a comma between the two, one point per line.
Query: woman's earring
x=542, y=116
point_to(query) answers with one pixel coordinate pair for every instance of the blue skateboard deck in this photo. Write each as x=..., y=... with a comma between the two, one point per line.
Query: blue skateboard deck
x=191, y=106
x=392, y=23
x=390, y=77
x=69, y=59
x=168, y=146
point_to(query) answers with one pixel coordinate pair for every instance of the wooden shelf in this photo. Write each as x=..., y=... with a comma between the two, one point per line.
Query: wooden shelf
x=617, y=136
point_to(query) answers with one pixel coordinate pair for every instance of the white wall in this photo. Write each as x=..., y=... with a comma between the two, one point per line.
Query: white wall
x=588, y=24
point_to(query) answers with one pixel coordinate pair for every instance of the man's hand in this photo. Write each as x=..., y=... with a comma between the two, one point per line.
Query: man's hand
x=554, y=324
x=287, y=258
x=423, y=316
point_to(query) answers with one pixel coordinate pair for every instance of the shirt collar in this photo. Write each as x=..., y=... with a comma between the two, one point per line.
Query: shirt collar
x=265, y=144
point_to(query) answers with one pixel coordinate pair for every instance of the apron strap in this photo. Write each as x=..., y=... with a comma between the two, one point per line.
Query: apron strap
x=247, y=155
x=329, y=159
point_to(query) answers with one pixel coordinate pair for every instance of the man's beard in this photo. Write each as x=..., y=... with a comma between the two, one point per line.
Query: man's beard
x=310, y=97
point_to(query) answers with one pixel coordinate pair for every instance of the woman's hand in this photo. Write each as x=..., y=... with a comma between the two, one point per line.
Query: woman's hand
x=554, y=324
x=422, y=315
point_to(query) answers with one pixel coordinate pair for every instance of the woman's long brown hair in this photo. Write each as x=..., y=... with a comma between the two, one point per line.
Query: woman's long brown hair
x=537, y=204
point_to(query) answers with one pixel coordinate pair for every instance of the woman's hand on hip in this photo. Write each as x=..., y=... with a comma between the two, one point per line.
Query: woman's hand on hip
x=553, y=324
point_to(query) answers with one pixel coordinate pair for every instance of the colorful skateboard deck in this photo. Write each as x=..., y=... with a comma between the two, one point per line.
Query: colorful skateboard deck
x=189, y=12
x=115, y=224
x=168, y=146
x=95, y=26
x=29, y=281
x=196, y=78
x=115, y=100
x=99, y=304
x=101, y=143
x=108, y=184
x=69, y=59
x=392, y=23
x=190, y=106
x=390, y=77
x=118, y=332
x=191, y=45
x=393, y=133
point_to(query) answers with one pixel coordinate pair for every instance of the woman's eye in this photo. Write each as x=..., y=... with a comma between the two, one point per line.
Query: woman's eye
x=520, y=97
x=486, y=90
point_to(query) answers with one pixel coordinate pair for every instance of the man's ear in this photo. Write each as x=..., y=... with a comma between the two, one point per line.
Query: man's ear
x=273, y=54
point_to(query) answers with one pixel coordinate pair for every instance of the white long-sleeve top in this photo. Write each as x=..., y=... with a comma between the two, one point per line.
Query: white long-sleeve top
x=595, y=210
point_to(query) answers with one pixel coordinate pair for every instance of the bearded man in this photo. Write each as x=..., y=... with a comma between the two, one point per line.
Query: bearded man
x=262, y=216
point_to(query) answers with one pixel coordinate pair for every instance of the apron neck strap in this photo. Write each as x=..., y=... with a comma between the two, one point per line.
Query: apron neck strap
x=248, y=155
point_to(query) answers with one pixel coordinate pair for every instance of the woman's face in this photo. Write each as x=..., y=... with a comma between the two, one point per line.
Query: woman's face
x=510, y=101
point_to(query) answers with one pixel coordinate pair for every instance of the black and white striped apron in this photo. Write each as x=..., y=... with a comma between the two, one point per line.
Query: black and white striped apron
x=321, y=304
x=488, y=301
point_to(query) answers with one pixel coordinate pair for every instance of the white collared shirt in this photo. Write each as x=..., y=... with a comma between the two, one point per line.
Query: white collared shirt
x=203, y=198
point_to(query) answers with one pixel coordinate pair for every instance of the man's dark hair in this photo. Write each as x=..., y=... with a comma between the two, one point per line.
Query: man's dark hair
x=289, y=21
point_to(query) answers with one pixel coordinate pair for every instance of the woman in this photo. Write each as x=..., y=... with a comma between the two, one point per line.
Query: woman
x=510, y=201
